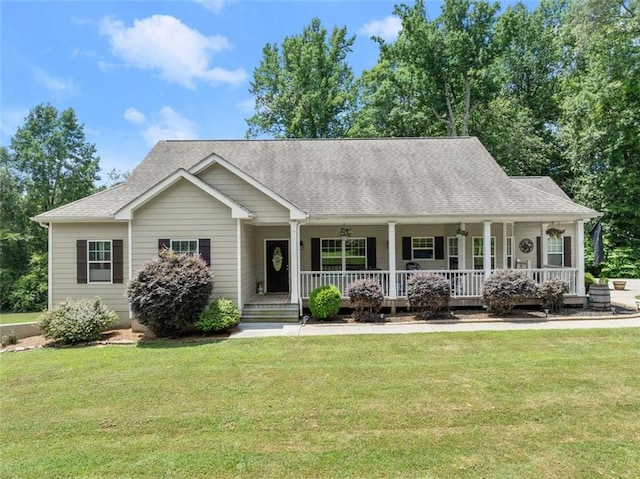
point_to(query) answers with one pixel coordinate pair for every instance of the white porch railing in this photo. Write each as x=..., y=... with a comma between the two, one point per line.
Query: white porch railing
x=570, y=275
x=464, y=283
x=310, y=280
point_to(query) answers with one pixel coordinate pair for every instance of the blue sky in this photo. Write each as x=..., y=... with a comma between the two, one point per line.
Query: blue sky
x=137, y=72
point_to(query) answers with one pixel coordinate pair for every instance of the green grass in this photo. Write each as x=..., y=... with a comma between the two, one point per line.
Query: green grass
x=9, y=318
x=530, y=404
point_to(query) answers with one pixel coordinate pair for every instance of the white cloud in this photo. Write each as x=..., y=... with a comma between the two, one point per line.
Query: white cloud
x=134, y=116
x=168, y=124
x=247, y=106
x=165, y=44
x=213, y=5
x=387, y=28
x=52, y=82
x=10, y=121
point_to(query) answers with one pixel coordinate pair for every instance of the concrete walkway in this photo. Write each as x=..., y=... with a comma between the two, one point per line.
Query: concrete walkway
x=624, y=298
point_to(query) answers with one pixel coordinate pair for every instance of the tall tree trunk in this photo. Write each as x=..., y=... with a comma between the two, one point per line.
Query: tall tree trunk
x=467, y=106
x=451, y=123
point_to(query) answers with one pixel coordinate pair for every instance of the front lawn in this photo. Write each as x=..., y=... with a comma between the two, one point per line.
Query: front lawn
x=9, y=318
x=530, y=404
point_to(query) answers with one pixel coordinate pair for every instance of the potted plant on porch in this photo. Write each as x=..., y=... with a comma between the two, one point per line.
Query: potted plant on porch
x=260, y=286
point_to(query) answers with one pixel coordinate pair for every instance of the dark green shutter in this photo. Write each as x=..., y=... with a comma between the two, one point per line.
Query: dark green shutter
x=118, y=266
x=204, y=246
x=539, y=252
x=567, y=251
x=406, y=248
x=439, y=247
x=164, y=243
x=81, y=261
x=371, y=253
x=315, y=254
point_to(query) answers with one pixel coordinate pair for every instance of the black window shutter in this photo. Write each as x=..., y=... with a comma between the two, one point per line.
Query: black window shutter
x=315, y=254
x=567, y=251
x=81, y=261
x=538, y=252
x=371, y=253
x=406, y=247
x=204, y=246
x=118, y=266
x=164, y=243
x=439, y=247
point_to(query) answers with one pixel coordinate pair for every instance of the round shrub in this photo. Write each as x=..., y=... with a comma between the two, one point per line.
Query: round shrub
x=324, y=302
x=507, y=288
x=366, y=298
x=428, y=293
x=76, y=320
x=221, y=315
x=169, y=292
x=552, y=293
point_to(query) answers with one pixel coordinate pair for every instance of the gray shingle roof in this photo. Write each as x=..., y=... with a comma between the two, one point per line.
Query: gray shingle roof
x=353, y=177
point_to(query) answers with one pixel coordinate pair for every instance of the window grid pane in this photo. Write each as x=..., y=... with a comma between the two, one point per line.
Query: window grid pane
x=99, y=261
x=334, y=258
x=422, y=247
x=184, y=246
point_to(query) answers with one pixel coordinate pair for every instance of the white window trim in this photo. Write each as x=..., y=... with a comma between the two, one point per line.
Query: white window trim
x=344, y=250
x=433, y=248
x=171, y=241
x=89, y=262
x=561, y=252
x=481, y=255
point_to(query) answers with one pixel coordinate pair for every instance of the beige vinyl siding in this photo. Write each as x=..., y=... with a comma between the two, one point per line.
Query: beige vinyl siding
x=249, y=276
x=265, y=209
x=312, y=231
x=63, y=255
x=532, y=231
x=184, y=211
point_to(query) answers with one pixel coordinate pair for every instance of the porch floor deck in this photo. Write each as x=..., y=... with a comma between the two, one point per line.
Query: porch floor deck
x=270, y=298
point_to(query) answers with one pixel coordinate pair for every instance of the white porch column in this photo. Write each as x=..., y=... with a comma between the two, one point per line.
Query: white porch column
x=391, y=234
x=294, y=265
x=486, y=249
x=543, y=244
x=580, y=288
x=504, y=245
x=462, y=248
x=239, y=261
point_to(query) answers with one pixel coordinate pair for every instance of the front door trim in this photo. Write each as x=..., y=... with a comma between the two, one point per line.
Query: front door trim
x=267, y=260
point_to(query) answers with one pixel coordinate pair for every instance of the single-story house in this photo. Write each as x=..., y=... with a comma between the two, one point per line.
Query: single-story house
x=291, y=215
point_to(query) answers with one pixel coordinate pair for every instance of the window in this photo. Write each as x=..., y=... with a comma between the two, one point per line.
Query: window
x=452, y=251
x=343, y=254
x=184, y=246
x=555, y=251
x=478, y=252
x=99, y=261
x=422, y=248
x=509, y=251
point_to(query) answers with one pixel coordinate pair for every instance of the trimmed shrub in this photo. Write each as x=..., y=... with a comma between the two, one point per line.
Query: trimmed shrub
x=9, y=339
x=169, y=292
x=428, y=293
x=552, y=293
x=366, y=298
x=76, y=320
x=507, y=288
x=221, y=315
x=324, y=302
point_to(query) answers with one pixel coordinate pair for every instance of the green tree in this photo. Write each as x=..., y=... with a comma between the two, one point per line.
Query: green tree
x=600, y=120
x=435, y=72
x=50, y=163
x=305, y=89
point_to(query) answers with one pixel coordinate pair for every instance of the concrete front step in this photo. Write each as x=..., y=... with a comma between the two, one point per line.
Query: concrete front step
x=269, y=313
